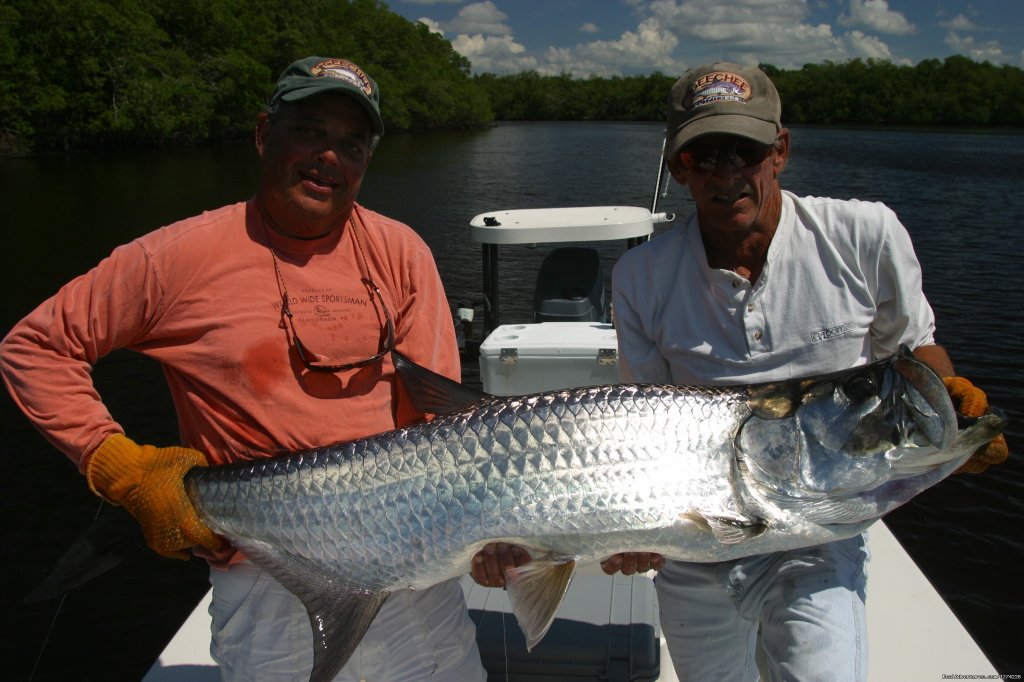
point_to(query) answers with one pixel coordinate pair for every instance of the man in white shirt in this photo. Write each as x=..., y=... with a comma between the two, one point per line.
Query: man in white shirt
x=762, y=285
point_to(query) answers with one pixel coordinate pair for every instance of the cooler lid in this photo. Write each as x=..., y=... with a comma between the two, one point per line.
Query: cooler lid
x=554, y=339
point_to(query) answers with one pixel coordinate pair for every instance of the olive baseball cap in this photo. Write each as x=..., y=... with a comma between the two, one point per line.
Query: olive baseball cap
x=315, y=75
x=722, y=98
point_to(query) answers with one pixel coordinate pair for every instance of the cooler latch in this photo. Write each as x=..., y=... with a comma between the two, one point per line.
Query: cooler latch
x=509, y=356
x=607, y=356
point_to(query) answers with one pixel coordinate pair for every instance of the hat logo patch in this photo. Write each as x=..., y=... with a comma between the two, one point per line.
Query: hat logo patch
x=342, y=69
x=717, y=87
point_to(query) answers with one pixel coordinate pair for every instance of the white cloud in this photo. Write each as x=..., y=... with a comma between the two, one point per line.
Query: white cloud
x=749, y=31
x=483, y=37
x=966, y=45
x=776, y=32
x=480, y=17
x=959, y=23
x=494, y=54
x=431, y=24
x=559, y=60
x=698, y=18
x=876, y=15
x=650, y=46
x=671, y=35
x=486, y=41
x=858, y=44
x=647, y=48
x=743, y=25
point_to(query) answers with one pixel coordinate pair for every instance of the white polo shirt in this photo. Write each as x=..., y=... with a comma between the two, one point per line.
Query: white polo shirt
x=841, y=287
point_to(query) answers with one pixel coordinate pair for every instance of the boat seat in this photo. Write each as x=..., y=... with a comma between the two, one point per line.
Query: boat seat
x=570, y=286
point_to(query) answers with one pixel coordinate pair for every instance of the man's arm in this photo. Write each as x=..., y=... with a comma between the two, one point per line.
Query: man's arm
x=968, y=400
x=46, y=360
x=935, y=356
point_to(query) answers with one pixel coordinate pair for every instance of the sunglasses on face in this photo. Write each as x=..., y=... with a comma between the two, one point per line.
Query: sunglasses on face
x=703, y=157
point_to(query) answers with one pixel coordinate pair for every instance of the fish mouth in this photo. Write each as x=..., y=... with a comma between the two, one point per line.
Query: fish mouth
x=993, y=416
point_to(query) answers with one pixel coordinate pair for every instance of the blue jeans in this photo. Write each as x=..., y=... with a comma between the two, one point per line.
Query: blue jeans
x=807, y=603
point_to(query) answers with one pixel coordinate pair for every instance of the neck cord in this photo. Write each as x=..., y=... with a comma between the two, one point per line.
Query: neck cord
x=285, y=308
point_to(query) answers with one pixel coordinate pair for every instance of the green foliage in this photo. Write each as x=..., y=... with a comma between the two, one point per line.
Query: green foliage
x=529, y=96
x=95, y=74
x=14, y=126
x=424, y=83
x=107, y=73
x=953, y=92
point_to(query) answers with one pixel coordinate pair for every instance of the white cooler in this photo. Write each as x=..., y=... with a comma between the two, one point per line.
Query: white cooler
x=517, y=359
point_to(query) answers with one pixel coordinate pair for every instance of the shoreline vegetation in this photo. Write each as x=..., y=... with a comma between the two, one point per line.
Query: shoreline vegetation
x=123, y=74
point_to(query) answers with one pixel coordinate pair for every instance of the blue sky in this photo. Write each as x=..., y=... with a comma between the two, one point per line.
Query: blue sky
x=623, y=37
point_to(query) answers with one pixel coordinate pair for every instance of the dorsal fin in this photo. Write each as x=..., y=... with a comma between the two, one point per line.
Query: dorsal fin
x=431, y=392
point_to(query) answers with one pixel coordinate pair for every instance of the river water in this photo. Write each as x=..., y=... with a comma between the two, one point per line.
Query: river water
x=957, y=193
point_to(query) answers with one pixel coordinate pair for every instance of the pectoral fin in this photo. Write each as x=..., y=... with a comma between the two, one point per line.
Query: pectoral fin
x=728, y=530
x=535, y=591
x=340, y=612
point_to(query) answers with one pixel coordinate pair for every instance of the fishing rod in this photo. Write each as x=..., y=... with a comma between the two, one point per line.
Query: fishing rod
x=660, y=192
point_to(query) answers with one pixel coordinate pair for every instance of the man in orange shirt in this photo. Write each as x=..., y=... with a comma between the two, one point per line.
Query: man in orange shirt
x=221, y=300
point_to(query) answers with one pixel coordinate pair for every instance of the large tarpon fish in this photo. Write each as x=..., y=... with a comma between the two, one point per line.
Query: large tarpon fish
x=697, y=474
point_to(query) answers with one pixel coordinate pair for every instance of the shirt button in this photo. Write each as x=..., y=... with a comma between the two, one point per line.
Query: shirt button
x=758, y=335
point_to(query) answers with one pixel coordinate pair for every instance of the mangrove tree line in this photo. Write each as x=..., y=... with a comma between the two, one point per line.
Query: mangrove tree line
x=101, y=73
x=125, y=73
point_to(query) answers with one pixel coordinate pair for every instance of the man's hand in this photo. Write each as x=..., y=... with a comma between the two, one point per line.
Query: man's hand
x=490, y=563
x=149, y=483
x=971, y=401
x=632, y=562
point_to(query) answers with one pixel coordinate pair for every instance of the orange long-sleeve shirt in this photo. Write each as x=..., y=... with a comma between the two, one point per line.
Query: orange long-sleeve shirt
x=202, y=297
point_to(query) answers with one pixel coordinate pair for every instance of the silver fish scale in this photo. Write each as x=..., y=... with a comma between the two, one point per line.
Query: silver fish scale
x=603, y=469
x=698, y=474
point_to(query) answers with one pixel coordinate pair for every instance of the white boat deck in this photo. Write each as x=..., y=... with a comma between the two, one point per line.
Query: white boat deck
x=912, y=633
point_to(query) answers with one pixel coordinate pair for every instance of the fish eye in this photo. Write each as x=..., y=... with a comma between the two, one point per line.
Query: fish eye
x=860, y=387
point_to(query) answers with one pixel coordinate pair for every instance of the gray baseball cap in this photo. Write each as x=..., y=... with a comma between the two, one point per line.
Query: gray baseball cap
x=314, y=75
x=722, y=98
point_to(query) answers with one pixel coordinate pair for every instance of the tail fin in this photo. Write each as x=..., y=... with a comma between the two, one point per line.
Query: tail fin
x=113, y=538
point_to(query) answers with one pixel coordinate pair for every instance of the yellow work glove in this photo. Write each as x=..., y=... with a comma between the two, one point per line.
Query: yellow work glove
x=971, y=401
x=149, y=483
